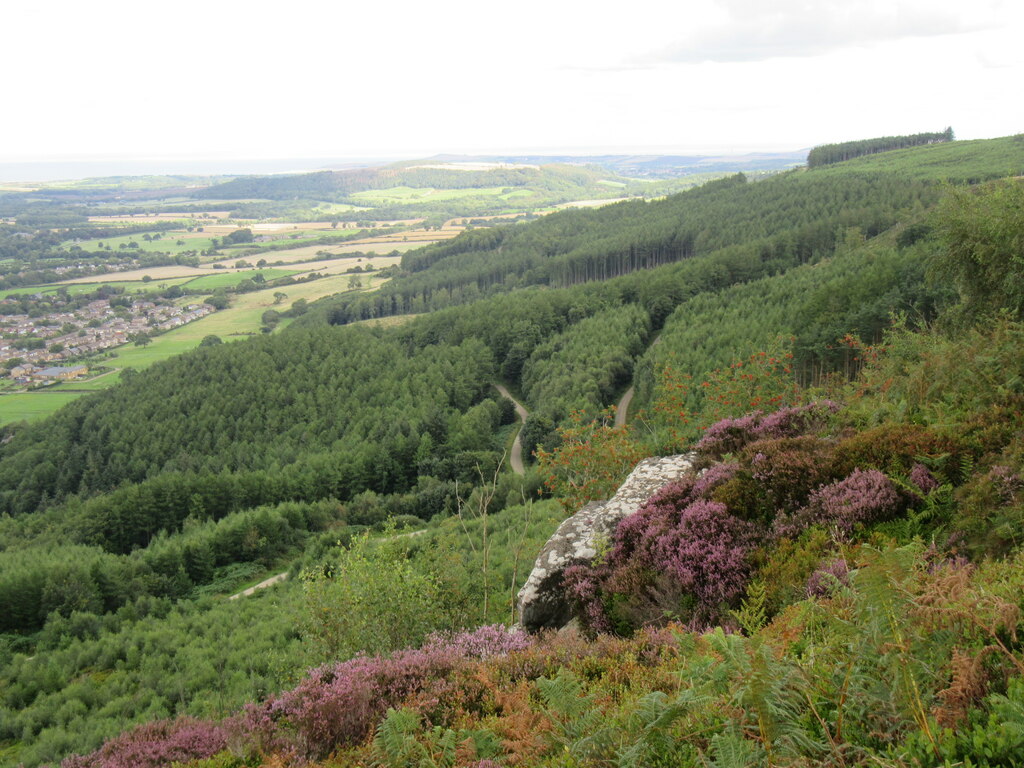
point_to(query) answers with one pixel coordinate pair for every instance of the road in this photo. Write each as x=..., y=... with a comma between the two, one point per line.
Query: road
x=516, y=459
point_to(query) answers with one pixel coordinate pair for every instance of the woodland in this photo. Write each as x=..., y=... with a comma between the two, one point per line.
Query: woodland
x=840, y=346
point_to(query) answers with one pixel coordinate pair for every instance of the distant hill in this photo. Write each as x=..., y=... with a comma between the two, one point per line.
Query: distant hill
x=653, y=166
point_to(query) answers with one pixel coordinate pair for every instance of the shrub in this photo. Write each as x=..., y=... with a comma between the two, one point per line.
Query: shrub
x=155, y=745
x=865, y=496
x=922, y=478
x=591, y=460
x=340, y=704
x=679, y=556
x=787, y=469
x=896, y=448
x=730, y=435
x=828, y=577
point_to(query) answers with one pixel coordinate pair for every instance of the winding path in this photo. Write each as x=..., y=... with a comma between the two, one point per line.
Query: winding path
x=622, y=410
x=516, y=459
x=262, y=585
x=282, y=576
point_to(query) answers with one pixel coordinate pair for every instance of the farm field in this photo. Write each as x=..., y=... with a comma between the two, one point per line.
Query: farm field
x=241, y=320
x=339, y=266
x=29, y=406
x=400, y=242
x=408, y=194
x=135, y=275
x=173, y=241
x=226, y=279
x=152, y=218
x=177, y=241
x=76, y=288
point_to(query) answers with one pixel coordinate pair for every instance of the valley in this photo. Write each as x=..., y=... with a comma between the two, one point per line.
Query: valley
x=410, y=384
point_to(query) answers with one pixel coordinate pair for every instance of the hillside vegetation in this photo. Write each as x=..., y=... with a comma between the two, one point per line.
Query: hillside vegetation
x=840, y=588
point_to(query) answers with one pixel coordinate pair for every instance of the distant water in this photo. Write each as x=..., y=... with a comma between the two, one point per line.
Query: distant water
x=66, y=170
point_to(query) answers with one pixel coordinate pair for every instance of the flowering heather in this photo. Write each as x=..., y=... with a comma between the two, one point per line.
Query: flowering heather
x=923, y=479
x=676, y=544
x=713, y=477
x=1008, y=484
x=340, y=704
x=789, y=468
x=480, y=643
x=797, y=420
x=155, y=745
x=706, y=551
x=823, y=581
x=730, y=435
x=582, y=585
x=866, y=496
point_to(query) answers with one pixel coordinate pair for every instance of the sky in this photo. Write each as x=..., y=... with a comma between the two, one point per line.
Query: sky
x=221, y=79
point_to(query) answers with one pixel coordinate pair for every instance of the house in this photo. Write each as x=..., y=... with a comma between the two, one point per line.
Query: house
x=20, y=371
x=60, y=373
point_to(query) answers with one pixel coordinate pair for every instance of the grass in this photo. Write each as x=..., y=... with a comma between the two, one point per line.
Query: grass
x=379, y=245
x=409, y=194
x=955, y=161
x=75, y=289
x=156, y=274
x=173, y=242
x=31, y=406
x=98, y=382
x=231, y=279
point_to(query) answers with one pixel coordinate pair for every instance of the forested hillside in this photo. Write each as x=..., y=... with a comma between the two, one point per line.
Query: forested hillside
x=837, y=153
x=766, y=226
x=134, y=508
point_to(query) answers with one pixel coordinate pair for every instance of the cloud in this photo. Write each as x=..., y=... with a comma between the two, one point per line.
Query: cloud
x=755, y=30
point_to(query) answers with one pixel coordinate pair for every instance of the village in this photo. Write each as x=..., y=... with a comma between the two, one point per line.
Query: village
x=42, y=347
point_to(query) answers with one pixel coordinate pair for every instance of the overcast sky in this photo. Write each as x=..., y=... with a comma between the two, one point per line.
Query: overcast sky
x=216, y=79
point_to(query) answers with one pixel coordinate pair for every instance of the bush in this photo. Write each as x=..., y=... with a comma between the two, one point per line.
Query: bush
x=896, y=448
x=866, y=496
x=156, y=745
x=680, y=556
x=339, y=704
x=731, y=435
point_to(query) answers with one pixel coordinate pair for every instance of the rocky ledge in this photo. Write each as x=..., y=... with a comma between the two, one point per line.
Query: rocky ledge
x=541, y=601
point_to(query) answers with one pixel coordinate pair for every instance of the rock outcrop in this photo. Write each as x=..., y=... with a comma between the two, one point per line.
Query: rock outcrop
x=542, y=603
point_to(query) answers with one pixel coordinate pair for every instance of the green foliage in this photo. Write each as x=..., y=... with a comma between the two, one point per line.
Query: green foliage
x=396, y=743
x=371, y=599
x=189, y=477
x=981, y=232
x=836, y=153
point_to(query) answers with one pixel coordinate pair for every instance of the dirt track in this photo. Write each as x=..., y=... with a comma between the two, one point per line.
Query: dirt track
x=516, y=459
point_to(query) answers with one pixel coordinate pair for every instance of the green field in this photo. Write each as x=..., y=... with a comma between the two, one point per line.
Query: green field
x=394, y=195
x=231, y=279
x=101, y=381
x=174, y=242
x=75, y=289
x=29, y=406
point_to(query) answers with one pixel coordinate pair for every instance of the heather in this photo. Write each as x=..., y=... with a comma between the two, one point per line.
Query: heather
x=903, y=660
x=339, y=704
x=837, y=584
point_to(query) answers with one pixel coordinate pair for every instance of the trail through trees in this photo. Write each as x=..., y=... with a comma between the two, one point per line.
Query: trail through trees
x=516, y=459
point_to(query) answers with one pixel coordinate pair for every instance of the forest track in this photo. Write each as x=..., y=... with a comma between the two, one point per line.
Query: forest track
x=516, y=459
x=622, y=410
x=284, y=575
x=623, y=407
